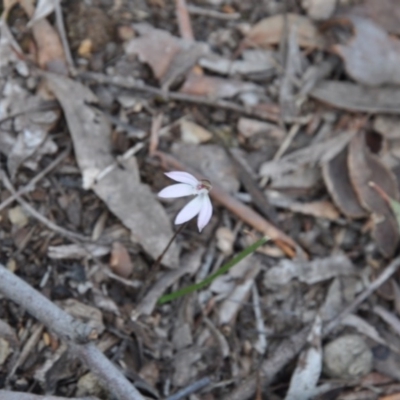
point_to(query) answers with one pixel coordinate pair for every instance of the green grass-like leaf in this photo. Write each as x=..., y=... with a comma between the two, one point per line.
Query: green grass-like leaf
x=225, y=268
x=396, y=209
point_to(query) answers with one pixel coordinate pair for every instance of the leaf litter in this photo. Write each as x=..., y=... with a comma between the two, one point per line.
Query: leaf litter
x=300, y=138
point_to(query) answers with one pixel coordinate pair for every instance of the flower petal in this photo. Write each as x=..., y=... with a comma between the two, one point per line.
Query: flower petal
x=182, y=177
x=189, y=211
x=205, y=212
x=178, y=190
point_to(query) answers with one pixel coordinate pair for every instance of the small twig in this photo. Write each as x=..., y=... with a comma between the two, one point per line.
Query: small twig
x=31, y=184
x=7, y=395
x=34, y=338
x=131, y=83
x=185, y=26
x=196, y=10
x=262, y=343
x=72, y=330
x=194, y=387
x=63, y=36
x=287, y=142
x=156, y=123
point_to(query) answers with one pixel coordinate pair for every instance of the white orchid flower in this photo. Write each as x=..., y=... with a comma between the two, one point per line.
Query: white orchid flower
x=190, y=186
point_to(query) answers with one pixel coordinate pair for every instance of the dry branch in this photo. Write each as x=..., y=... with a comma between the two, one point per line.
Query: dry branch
x=75, y=332
x=7, y=395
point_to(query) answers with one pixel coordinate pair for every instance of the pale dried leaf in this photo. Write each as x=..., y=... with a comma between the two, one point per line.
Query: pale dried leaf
x=210, y=160
x=42, y=10
x=250, y=127
x=269, y=31
x=337, y=181
x=50, y=52
x=364, y=167
x=310, y=272
x=130, y=200
x=319, y=9
x=373, y=44
x=385, y=13
x=76, y=251
x=309, y=366
x=318, y=209
x=363, y=327
x=183, y=364
x=30, y=146
x=254, y=61
x=313, y=154
x=88, y=314
x=230, y=307
x=219, y=88
x=168, y=56
x=341, y=292
x=352, y=97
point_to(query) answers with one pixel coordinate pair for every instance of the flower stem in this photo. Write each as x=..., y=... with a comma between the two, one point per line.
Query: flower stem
x=161, y=256
x=225, y=268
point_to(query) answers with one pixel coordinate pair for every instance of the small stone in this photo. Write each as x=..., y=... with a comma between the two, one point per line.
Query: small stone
x=347, y=357
x=88, y=385
x=17, y=217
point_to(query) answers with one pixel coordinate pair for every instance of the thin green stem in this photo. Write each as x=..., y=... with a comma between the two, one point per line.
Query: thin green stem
x=225, y=268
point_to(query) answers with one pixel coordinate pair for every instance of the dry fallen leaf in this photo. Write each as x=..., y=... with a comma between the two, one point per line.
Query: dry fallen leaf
x=269, y=31
x=130, y=200
x=319, y=9
x=385, y=13
x=352, y=97
x=371, y=56
x=254, y=61
x=317, y=270
x=318, y=209
x=219, y=88
x=244, y=274
x=211, y=161
x=309, y=366
x=167, y=55
x=42, y=10
x=364, y=167
x=248, y=127
x=50, y=52
x=155, y=47
x=337, y=181
x=316, y=153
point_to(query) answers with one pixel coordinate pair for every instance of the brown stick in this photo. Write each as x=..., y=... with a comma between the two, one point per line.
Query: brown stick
x=264, y=111
x=246, y=214
x=72, y=330
x=185, y=26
